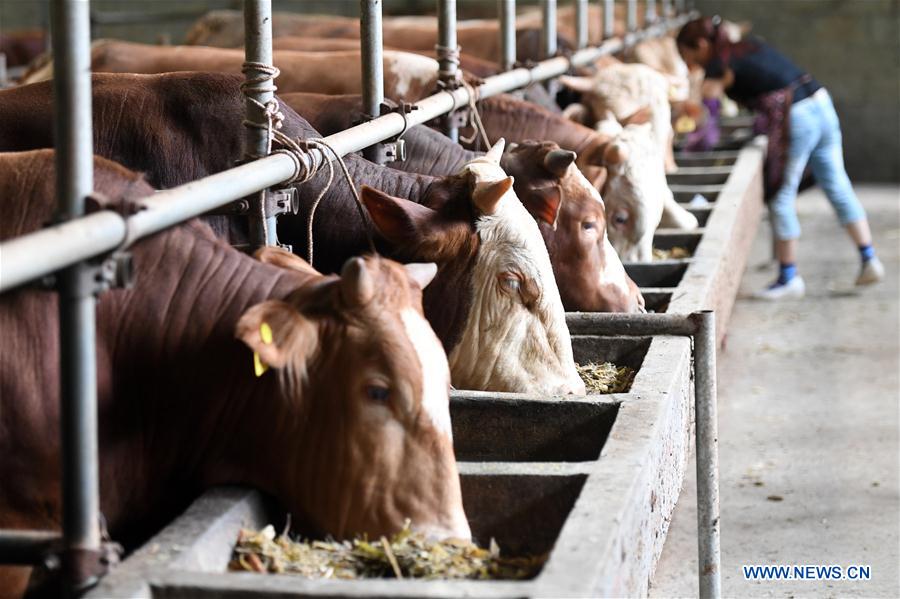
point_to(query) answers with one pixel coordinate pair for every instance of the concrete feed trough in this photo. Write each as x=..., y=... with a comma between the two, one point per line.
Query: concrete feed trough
x=593, y=481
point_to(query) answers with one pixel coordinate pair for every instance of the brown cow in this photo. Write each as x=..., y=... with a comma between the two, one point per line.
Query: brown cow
x=407, y=76
x=633, y=180
x=568, y=209
x=22, y=46
x=357, y=378
x=477, y=37
x=178, y=127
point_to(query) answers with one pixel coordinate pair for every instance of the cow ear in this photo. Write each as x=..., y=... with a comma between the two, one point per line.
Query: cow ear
x=543, y=203
x=421, y=272
x=609, y=155
x=282, y=258
x=640, y=117
x=278, y=335
x=487, y=194
x=399, y=221
x=596, y=175
x=579, y=84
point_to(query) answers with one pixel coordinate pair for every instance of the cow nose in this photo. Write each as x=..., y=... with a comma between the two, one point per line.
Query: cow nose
x=437, y=532
x=573, y=387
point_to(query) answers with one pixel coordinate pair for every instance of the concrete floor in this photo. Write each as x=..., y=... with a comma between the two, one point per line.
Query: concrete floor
x=808, y=421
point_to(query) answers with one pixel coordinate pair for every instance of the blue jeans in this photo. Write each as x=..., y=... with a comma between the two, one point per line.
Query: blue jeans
x=816, y=139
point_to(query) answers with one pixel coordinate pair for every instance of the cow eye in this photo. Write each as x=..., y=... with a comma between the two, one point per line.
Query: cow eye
x=511, y=283
x=620, y=218
x=378, y=393
x=588, y=225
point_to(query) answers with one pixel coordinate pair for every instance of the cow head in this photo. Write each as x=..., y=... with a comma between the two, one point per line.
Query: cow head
x=365, y=385
x=635, y=189
x=494, y=302
x=571, y=217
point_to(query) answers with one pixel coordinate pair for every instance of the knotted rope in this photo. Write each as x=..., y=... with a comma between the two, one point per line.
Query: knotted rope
x=449, y=80
x=303, y=171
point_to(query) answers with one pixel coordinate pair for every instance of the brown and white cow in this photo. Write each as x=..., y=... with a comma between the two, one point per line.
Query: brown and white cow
x=355, y=377
x=178, y=127
x=567, y=208
x=627, y=169
x=407, y=76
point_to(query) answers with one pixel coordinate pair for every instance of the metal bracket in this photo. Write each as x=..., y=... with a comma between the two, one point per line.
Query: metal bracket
x=278, y=201
x=392, y=149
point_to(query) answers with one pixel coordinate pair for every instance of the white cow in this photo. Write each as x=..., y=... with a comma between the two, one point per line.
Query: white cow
x=513, y=264
x=636, y=192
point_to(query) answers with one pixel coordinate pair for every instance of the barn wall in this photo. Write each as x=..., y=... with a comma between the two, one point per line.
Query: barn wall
x=853, y=48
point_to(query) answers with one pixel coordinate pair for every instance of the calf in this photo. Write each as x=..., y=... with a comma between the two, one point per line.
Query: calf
x=407, y=76
x=179, y=127
x=568, y=209
x=347, y=372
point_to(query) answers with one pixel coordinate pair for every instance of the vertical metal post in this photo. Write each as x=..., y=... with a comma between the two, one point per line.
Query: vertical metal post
x=448, y=67
x=679, y=7
x=631, y=18
x=581, y=23
x=548, y=37
x=709, y=565
x=507, y=13
x=370, y=36
x=666, y=9
x=259, y=91
x=650, y=12
x=70, y=21
x=609, y=18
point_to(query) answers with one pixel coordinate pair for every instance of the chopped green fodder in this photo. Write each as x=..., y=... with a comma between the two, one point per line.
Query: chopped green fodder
x=405, y=555
x=605, y=377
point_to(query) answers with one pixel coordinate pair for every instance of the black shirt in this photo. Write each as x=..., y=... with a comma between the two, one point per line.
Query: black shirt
x=758, y=69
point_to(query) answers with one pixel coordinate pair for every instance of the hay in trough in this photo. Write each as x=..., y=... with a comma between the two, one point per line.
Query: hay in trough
x=606, y=377
x=405, y=555
x=675, y=253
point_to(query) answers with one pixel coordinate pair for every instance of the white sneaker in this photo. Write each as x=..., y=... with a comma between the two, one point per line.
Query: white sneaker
x=793, y=289
x=872, y=272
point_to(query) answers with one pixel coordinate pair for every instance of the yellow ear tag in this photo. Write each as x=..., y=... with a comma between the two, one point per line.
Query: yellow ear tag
x=259, y=367
x=265, y=333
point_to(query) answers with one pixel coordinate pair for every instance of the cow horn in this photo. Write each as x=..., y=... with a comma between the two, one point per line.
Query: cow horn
x=488, y=193
x=558, y=161
x=496, y=151
x=422, y=273
x=357, y=287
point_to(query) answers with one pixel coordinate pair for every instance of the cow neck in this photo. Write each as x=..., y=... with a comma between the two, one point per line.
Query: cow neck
x=186, y=397
x=431, y=153
x=520, y=121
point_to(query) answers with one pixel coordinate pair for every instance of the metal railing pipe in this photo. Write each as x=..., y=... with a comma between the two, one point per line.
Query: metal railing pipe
x=372, y=47
x=707, y=436
x=447, y=58
x=71, y=25
x=169, y=207
x=650, y=11
x=701, y=327
x=581, y=24
x=666, y=9
x=259, y=90
x=72, y=241
x=26, y=547
x=609, y=18
x=507, y=15
x=548, y=28
x=631, y=16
